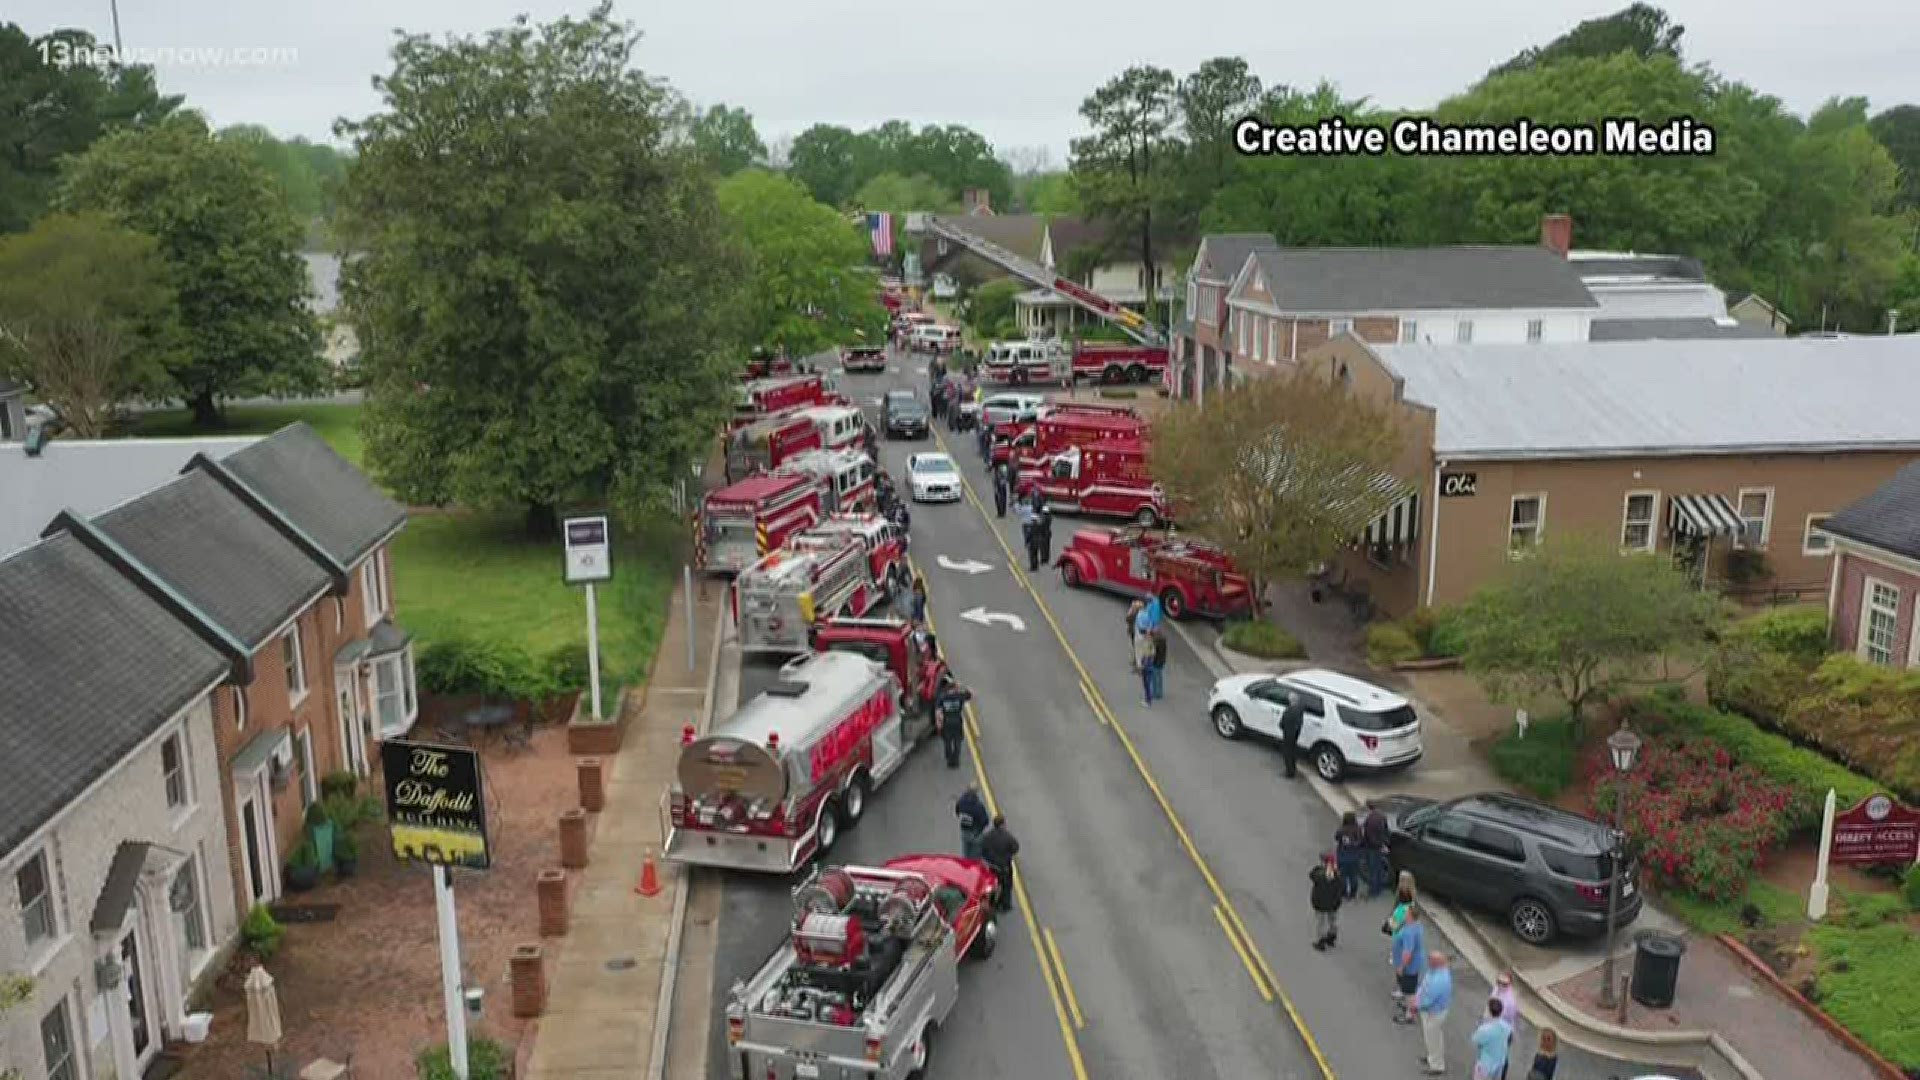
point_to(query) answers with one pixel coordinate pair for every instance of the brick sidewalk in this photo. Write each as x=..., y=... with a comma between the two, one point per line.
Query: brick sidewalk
x=604, y=976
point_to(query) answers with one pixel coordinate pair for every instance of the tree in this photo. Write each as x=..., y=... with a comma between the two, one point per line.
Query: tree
x=990, y=309
x=1218, y=93
x=1120, y=170
x=725, y=139
x=1640, y=29
x=807, y=283
x=955, y=157
x=1577, y=619
x=231, y=247
x=1898, y=129
x=544, y=290
x=1281, y=472
x=1046, y=193
x=895, y=193
x=85, y=314
x=307, y=174
x=830, y=161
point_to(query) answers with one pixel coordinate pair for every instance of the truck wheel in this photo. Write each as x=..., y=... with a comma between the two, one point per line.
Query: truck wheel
x=1114, y=375
x=1147, y=518
x=988, y=940
x=1070, y=575
x=919, y=1053
x=1137, y=373
x=829, y=829
x=853, y=802
x=1174, y=604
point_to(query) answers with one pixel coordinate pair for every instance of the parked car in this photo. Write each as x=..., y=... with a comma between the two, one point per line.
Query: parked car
x=1012, y=407
x=902, y=414
x=1546, y=870
x=933, y=478
x=1350, y=726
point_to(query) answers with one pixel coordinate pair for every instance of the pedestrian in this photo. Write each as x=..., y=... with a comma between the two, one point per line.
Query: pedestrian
x=1046, y=533
x=997, y=849
x=1508, y=1004
x=1409, y=958
x=1327, y=893
x=1349, y=842
x=1133, y=616
x=1159, y=662
x=1402, y=904
x=971, y=809
x=918, y=603
x=1291, y=720
x=950, y=707
x=1143, y=663
x=1031, y=531
x=1375, y=840
x=1000, y=491
x=985, y=440
x=1432, y=1001
x=1491, y=1042
x=1546, y=1056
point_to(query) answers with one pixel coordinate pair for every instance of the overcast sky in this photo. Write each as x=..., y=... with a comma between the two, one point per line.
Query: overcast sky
x=1014, y=71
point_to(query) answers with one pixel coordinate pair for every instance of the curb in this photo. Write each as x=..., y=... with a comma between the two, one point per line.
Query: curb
x=676, y=926
x=1813, y=1012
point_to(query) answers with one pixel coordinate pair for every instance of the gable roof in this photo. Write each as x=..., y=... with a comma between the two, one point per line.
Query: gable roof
x=317, y=491
x=87, y=476
x=1888, y=517
x=1019, y=233
x=1222, y=255
x=1069, y=234
x=1664, y=398
x=91, y=667
x=1342, y=280
x=217, y=553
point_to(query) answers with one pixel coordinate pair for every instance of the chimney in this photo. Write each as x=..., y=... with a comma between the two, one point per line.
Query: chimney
x=1556, y=234
x=976, y=200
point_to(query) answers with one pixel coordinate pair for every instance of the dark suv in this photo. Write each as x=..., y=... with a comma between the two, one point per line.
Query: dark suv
x=902, y=414
x=1544, y=868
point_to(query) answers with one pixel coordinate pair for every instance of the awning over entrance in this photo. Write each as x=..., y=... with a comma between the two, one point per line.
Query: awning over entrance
x=1702, y=515
x=1398, y=527
x=116, y=895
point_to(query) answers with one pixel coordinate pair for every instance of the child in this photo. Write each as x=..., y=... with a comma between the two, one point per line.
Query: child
x=1547, y=1058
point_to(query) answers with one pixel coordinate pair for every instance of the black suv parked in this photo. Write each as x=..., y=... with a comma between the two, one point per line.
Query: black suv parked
x=902, y=414
x=1545, y=869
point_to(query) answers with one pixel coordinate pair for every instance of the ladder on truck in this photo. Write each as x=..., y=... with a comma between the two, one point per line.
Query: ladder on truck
x=1131, y=323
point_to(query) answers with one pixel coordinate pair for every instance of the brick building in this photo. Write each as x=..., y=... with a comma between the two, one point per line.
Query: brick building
x=1875, y=588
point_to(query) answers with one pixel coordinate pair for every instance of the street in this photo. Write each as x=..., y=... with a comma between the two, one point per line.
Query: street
x=1163, y=870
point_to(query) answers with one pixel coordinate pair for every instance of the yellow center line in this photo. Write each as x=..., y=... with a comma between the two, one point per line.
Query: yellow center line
x=1139, y=763
x=1259, y=983
x=1060, y=966
x=1087, y=692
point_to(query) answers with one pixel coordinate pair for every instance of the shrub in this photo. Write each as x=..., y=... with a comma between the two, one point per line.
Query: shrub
x=1798, y=631
x=1910, y=888
x=262, y=932
x=486, y=1060
x=341, y=782
x=489, y=668
x=566, y=668
x=348, y=811
x=1390, y=643
x=1445, y=638
x=1262, y=639
x=1542, y=763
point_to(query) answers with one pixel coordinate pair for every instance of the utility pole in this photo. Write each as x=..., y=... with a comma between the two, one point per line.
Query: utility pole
x=115, y=4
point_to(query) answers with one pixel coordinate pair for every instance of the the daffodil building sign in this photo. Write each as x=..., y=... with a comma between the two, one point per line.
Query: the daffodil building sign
x=436, y=805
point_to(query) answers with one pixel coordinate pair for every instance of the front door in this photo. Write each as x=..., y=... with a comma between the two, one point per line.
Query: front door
x=256, y=838
x=137, y=997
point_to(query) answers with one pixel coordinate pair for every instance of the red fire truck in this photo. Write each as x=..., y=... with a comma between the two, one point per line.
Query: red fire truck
x=840, y=426
x=917, y=667
x=1118, y=362
x=847, y=474
x=1107, y=479
x=762, y=363
x=768, y=443
x=772, y=785
x=759, y=398
x=884, y=542
x=744, y=520
x=1189, y=576
x=777, y=600
x=1026, y=363
x=1066, y=425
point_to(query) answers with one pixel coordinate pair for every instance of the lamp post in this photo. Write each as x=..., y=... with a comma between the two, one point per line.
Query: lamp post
x=1623, y=746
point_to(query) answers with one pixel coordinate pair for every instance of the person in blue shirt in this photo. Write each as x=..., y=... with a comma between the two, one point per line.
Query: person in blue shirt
x=1432, y=1001
x=1409, y=956
x=1490, y=1042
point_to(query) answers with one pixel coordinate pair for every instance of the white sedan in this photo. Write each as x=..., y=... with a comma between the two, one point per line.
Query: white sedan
x=1348, y=726
x=933, y=478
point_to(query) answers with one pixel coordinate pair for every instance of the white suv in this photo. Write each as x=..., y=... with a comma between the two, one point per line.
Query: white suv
x=1011, y=407
x=1349, y=725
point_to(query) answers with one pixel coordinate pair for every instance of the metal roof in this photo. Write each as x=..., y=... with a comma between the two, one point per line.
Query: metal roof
x=1683, y=329
x=88, y=476
x=835, y=682
x=1887, y=517
x=1466, y=277
x=1665, y=398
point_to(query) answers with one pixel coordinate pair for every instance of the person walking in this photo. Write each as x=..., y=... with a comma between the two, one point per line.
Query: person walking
x=1509, y=1008
x=1133, y=616
x=1143, y=663
x=971, y=809
x=1036, y=533
x=918, y=602
x=1291, y=720
x=1349, y=843
x=1546, y=1056
x=1431, y=1002
x=1000, y=491
x=1375, y=842
x=1327, y=894
x=1491, y=1042
x=950, y=705
x=997, y=850
x=1409, y=958
x=1046, y=534
x=1159, y=662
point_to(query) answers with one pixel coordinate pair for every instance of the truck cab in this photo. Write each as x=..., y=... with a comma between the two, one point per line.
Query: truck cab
x=847, y=473
x=840, y=426
x=915, y=661
x=1025, y=363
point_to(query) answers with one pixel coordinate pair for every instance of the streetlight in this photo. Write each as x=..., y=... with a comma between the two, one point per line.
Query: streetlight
x=1623, y=746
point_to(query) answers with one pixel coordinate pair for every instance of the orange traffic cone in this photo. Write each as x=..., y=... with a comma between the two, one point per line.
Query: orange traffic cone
x=649, y=877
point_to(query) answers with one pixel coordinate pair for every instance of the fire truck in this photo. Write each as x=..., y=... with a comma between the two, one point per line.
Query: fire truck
x=917, y=667
x=777, y=600
x=1066, y=425
x=743, y=521
x=1026, y=363
x=1116, y=362
x=762, y=363
x=884, y=542
x=769, y=442
x=1189, y=576
x=863, y=358
x=1105, y=479
x=869, y=971
x=840, y=426
x=772, y=785
x=847, y=475
x=759, y=398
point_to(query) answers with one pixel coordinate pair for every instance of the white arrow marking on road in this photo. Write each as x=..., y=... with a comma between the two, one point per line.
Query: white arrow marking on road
x=919, y=371
x=970, y=566
x=988, y=618
x=875, y=402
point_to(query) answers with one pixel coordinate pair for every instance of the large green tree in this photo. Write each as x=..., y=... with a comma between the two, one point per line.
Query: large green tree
x=1640, y=29
x=1898, y=129
x=808, y=286
x=725, y=139
x=544, y=291
x=832, y=162
x=1210, y=101
x=1122, y=169
x=231, y=247
x=308, y=174
x=835, y=162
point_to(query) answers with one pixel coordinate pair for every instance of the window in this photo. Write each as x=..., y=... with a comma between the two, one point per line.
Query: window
x=1452, y=829
x=1579, y=867
x=1498, y=843
x=1535, y=329
x=6, y=423
x=240, y=708
x=1878, y=621
x=1636, y=524
x=339, y=613
x=173, y=768
x=1340, y=326
x=303, y=765
x=393, y=700
x=1463, y=332
x=184, y=899
x=1409, y=331
x=1524, y=526
x=34, y=882
x=1273, y=340
x=1193, y=301
x=1240, y=317
x=1756, y=512
x=1816, y=540
x=293, y=658
x=373, y=587
x=56, y=1043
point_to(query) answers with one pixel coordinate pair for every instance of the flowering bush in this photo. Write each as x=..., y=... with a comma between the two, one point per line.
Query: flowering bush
x=1701, y=822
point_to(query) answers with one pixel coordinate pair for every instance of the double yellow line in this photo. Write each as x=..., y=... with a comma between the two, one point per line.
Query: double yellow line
x=1264, y=980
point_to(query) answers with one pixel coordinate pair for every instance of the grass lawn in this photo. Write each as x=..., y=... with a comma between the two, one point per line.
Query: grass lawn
x=338, y=424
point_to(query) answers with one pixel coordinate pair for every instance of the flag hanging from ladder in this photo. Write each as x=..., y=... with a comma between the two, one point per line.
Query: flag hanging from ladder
x=880, y=230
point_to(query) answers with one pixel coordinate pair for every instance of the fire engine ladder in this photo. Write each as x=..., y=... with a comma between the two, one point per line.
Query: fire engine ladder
x=1130, y=322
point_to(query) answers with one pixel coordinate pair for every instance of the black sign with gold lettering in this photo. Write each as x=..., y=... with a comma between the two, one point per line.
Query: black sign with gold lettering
x=436, y=807
x=1454, y=485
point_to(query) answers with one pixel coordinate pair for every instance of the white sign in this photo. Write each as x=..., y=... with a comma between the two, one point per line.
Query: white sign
x=589, y=543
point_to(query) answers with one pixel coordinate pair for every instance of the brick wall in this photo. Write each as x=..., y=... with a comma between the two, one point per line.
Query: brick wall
x=1378, y=329
x=1855, y=569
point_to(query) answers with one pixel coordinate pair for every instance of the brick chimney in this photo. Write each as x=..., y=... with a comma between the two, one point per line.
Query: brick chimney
x=976, y=200
x=1556, y=234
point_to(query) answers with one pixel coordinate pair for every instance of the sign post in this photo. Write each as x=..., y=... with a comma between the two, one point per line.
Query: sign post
x=589, y=560
x=1817, y=894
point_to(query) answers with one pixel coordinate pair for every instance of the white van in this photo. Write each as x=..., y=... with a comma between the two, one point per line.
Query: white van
x=935, y=338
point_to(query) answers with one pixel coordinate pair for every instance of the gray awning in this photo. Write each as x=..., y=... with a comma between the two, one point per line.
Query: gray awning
x=258, y=751
x=351, y=653
x=1702, y=515
x=116, y=896
x=387, y=639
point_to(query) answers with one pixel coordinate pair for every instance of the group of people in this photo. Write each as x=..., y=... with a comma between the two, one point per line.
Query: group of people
x=1147, y=646
x=987, y=839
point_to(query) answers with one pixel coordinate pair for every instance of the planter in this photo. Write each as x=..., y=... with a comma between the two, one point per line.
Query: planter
x=345, y=867
x=302, y=878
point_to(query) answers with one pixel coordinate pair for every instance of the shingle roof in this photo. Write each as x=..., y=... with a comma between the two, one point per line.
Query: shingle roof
x=318, y=491
x=1338, y=280
x=87, y=476
x=1673, y=330
x=218, y=553
x=1221, y=255
x=1019, y=233
x=1665, y=397
x=1069, y=234
x=91, y=667
x=1888, y=517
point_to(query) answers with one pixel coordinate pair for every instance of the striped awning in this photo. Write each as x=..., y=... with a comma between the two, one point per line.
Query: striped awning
x=1702, y=515
x=1398, y=527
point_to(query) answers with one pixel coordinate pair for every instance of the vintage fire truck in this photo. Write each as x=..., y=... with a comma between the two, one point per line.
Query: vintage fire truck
x=758, y=398
x=1115, y=362
x=840, y=426
x=847, y=474
x=1069, y=424
x=1026, y=363
x=1104, y=479
x=743, y=521
x=915, y=661
x=869, y=971
x=769, y=442
x=777, y=600
x=1189, y=576
x=863, y=358
x=772, y=785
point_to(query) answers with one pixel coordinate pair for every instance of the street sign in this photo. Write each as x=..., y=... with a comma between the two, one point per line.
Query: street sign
x=1454, y=485
x=589, y=545
x=1878, y=830
x=436, y=808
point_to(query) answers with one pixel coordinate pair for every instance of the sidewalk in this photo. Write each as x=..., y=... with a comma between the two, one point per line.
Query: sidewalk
x=1718, y=999
x=605, y=978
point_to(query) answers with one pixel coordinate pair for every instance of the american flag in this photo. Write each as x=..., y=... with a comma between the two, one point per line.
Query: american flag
x=880, y=229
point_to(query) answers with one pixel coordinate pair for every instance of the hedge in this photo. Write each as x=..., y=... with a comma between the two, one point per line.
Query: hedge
x=1262, y=639
x=1542, y=762
x=497, y=669
x=1429, y=633
x=1390, y=643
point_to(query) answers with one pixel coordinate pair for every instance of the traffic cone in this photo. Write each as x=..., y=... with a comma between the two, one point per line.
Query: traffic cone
x=649, y=877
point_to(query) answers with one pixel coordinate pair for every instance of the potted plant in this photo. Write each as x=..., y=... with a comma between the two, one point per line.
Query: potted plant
x=303, y=870
x=320, y=833
x=346, y=853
